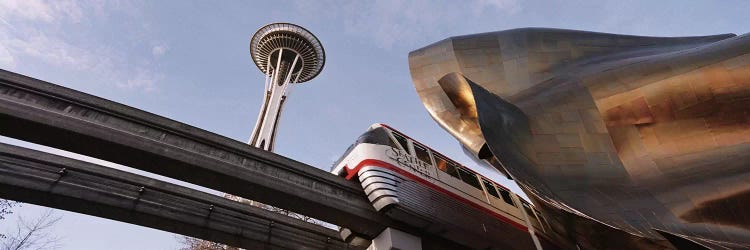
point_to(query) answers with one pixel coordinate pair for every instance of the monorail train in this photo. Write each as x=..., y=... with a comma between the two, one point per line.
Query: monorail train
x=413, y=184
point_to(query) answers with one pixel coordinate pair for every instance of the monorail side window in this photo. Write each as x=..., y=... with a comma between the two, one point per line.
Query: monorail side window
x=422, y=153
x=490, y=188
x=441, y=163
x=506, y=196
x=470, y=178
x=401, y=141
x=446, y=166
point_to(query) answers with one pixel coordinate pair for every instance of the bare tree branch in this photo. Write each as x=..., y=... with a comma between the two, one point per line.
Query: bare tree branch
x=5, y=209
x=33, y=234
x=305, y=218
x=190, y=243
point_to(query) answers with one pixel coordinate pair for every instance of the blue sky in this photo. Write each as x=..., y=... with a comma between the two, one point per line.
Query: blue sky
x=189, y=61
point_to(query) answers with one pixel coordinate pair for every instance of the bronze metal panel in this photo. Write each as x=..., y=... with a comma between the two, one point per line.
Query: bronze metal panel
x=636, y=133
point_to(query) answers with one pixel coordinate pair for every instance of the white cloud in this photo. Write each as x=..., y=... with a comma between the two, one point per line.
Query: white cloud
x=390, y=21
x=68, y=9
x=6, y=59
x=53, y=51
x=38, y=10
x=395, y=22
x=159, y=50
x=33, y=31
x=30, y=10
x=143, y=80
x=507, y=6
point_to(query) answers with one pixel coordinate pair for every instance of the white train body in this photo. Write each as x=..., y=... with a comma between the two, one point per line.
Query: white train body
x=416, y=185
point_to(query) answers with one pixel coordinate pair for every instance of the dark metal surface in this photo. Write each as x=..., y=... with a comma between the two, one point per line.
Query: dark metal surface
x=54, y=181
x=47, y=114
x=634, y=133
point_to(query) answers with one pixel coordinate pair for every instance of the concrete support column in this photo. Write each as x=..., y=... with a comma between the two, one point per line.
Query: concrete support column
x=392, y=239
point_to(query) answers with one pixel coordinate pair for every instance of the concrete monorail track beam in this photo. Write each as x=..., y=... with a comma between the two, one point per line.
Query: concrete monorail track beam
x=55, y=181
x=44, y=113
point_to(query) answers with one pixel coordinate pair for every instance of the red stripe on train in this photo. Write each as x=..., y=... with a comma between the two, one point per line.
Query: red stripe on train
x=378, y=163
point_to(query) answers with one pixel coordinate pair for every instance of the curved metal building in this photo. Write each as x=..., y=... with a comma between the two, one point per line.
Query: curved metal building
x=623, y=141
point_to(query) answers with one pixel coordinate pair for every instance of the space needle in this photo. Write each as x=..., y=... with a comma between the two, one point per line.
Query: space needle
x=287, y=54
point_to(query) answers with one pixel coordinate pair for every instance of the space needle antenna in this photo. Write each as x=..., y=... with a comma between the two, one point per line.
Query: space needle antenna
x=287, y=54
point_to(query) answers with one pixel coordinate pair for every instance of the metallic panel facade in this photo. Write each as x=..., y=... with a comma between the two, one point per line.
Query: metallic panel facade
x=605, y=131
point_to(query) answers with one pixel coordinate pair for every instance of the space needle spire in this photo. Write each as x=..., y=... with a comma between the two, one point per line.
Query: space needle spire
x=286, y=54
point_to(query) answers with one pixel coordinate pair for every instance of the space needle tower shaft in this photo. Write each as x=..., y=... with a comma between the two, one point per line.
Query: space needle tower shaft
x=287, y=54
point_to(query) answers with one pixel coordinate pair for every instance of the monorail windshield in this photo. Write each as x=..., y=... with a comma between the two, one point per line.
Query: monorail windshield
x=378, y=136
